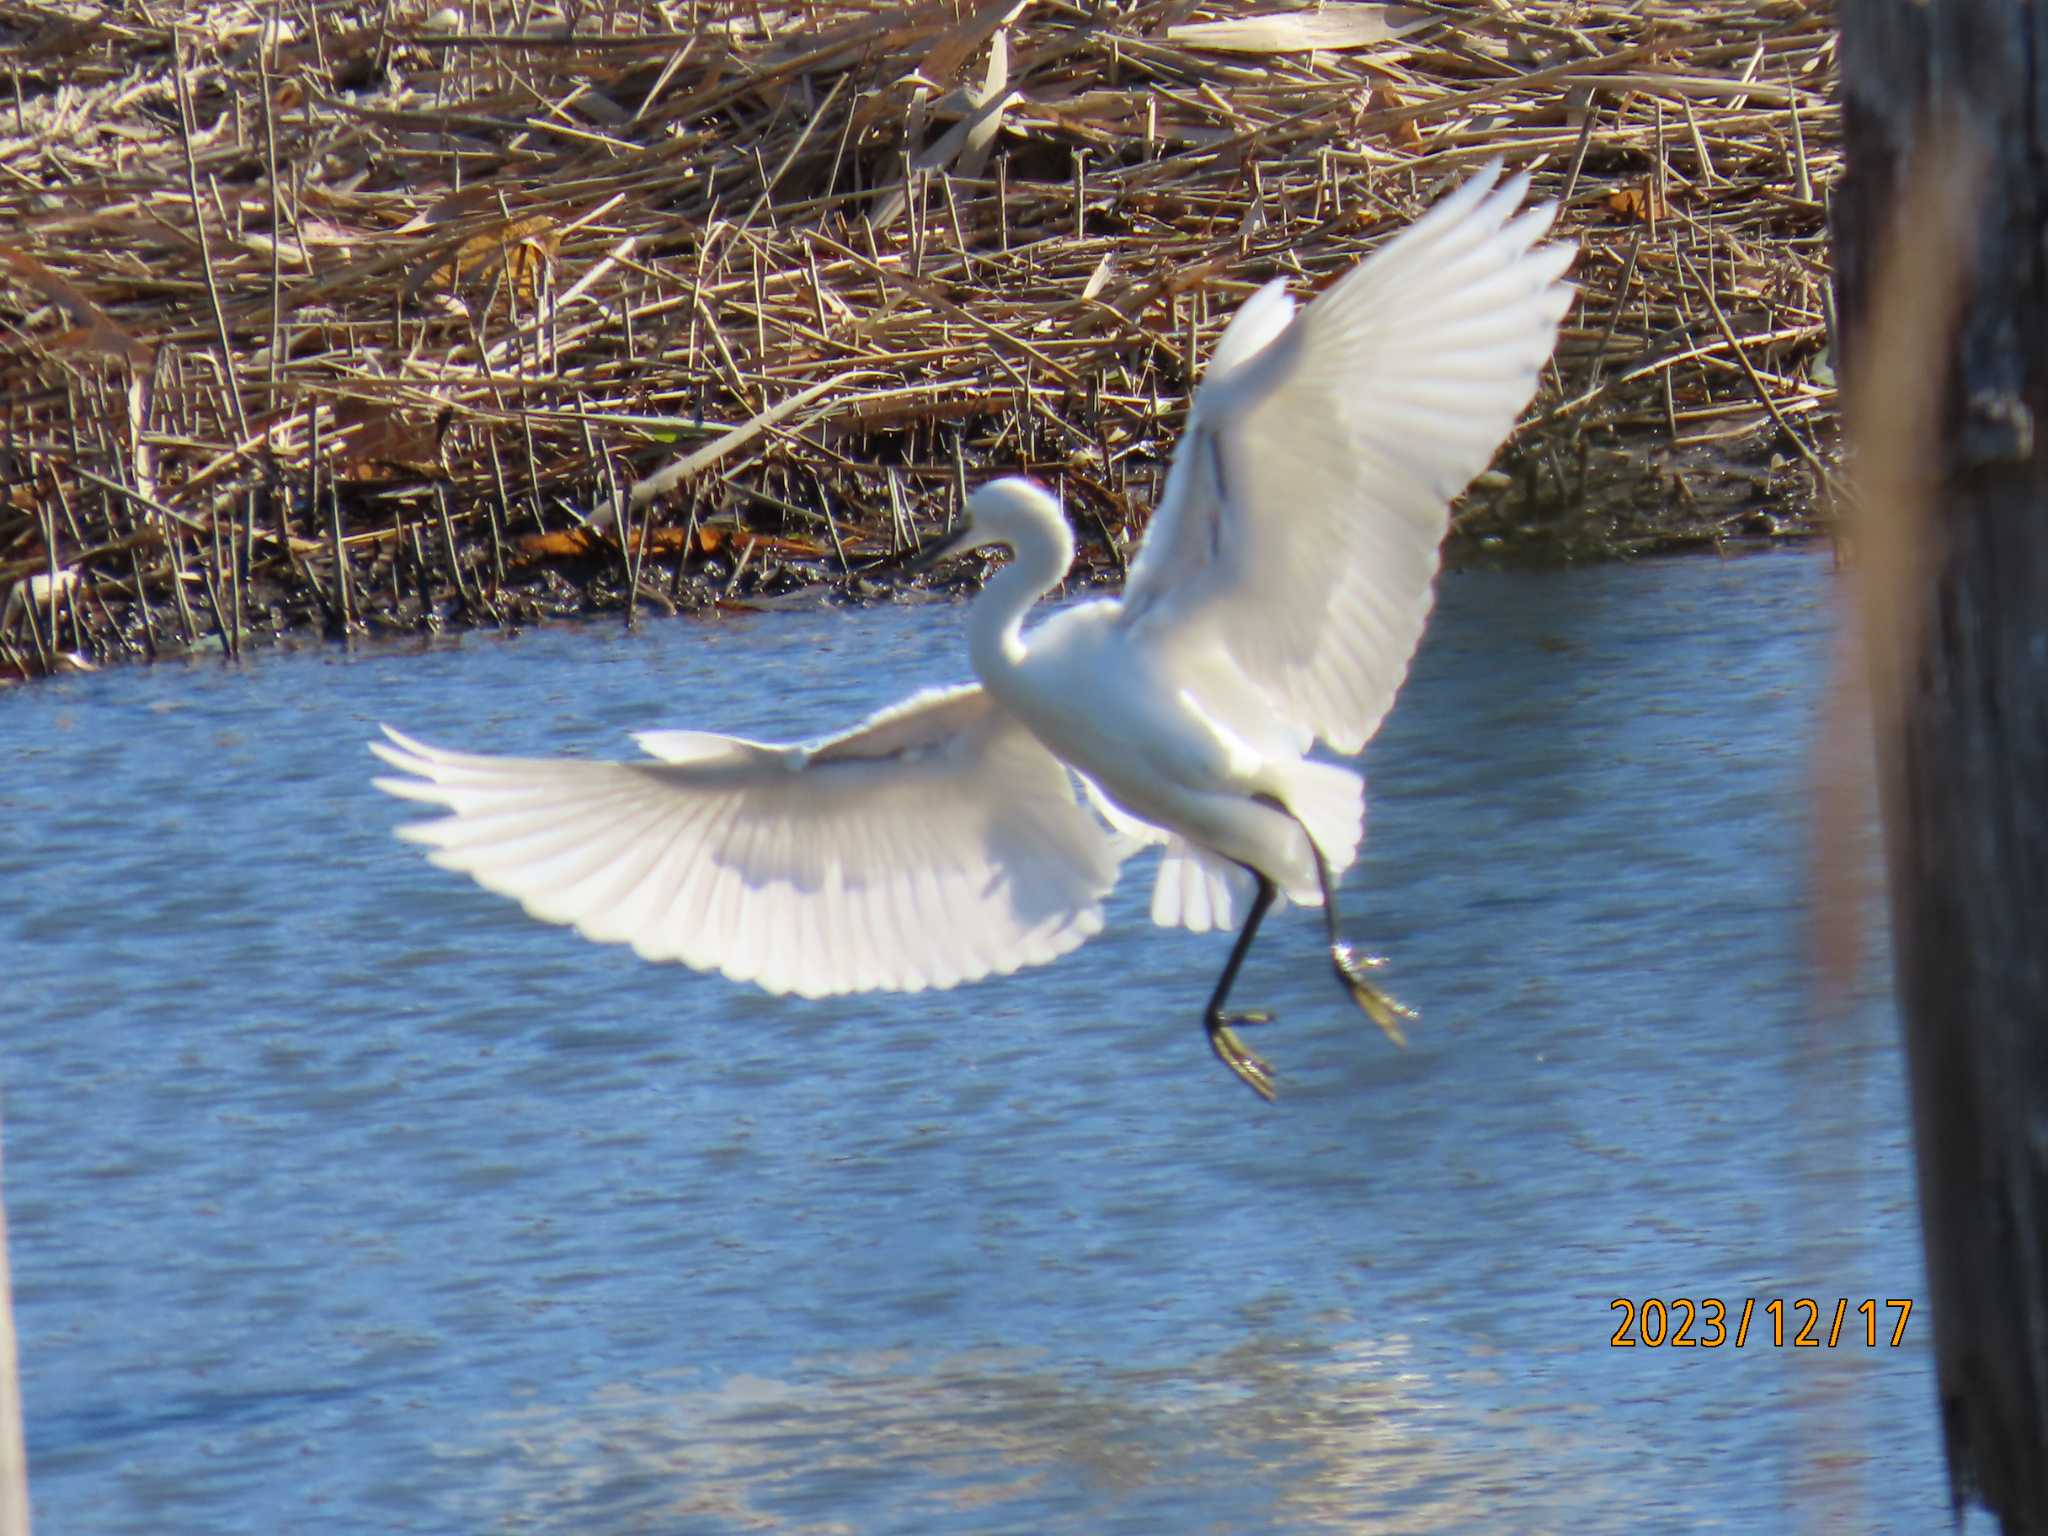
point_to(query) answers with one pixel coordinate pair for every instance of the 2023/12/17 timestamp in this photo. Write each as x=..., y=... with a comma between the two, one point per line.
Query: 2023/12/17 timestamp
x=1705, y=1323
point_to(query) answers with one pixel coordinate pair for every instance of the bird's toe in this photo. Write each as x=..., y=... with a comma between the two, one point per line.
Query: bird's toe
x=1353, y=964
x=1381, y=1009
x=1231, y=1051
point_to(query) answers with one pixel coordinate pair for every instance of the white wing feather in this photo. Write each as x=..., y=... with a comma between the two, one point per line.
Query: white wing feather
x=1258, y=320
x=1301, y=521
x=935, y=843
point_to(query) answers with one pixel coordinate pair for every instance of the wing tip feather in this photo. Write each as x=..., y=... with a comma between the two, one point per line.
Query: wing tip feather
x=751, y=925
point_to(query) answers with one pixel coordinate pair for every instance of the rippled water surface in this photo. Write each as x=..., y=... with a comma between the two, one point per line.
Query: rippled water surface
x=345, y=1197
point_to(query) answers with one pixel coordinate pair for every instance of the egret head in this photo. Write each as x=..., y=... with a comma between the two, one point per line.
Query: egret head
x=1015, y=512
x=1009, y=511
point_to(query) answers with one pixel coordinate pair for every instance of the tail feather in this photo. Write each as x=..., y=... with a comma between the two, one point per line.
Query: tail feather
x=1328, y=800
x=1199, y=890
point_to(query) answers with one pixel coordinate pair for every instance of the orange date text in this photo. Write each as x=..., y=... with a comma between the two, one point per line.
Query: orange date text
x=1707, y=1322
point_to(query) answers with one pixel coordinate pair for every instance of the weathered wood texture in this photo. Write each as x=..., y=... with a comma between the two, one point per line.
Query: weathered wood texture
x=1964, y=759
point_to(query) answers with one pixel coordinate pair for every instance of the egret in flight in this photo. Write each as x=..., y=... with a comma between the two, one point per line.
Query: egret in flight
x=966, y=832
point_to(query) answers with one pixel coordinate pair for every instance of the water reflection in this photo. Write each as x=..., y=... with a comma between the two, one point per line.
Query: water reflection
x=1275, y=1429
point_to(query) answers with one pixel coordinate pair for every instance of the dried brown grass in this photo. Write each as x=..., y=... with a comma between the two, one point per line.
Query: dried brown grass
x=344, y=315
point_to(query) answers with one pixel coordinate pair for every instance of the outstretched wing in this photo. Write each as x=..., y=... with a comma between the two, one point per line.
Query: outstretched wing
x=935, y=843
x=1301, y=519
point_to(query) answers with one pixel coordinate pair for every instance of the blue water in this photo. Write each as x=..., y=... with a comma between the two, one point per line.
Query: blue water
x=342, y=1196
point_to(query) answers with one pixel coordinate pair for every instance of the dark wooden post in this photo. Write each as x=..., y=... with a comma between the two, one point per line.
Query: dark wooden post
x=1942, y=273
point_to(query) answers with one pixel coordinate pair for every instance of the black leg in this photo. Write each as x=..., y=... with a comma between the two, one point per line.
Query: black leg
x=1222, y=1038
x=1352, y=967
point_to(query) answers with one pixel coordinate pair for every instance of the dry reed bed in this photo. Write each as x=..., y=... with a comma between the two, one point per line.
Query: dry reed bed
x=344, y=315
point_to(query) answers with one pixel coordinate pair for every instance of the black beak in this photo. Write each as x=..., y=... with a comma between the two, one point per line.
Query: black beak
x=916, y=563
x=934, y=552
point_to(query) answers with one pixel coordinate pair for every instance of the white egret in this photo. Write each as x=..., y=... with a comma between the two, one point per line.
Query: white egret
x=965, y=832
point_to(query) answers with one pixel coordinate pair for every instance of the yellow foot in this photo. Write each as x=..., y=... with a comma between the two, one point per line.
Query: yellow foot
x=1231, y=1051
x=1379, y=1007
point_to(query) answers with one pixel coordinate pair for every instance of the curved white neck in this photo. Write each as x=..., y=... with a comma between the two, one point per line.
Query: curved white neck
x=1039, y=561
